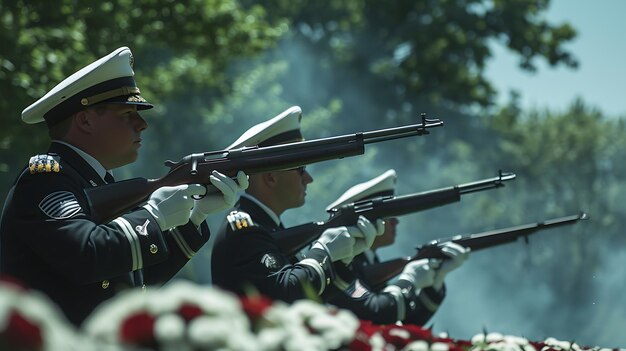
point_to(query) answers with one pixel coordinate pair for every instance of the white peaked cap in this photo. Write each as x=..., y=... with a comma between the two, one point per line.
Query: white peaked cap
x=110, y=79
x=384, y=184
x=281, y=129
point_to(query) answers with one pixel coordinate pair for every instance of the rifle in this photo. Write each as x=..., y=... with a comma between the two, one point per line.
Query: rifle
x=376, y=275
x=112, y=200
x=293, y=239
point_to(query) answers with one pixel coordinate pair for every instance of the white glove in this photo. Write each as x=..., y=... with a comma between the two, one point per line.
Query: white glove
x=337, y=242
x=420, y=273
x=364, y=234
x=457, y=255
x=225, y=198
x=343, y=243
x=171, y=205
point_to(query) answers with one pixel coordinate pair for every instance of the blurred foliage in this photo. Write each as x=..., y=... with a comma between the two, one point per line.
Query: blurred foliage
x=436, y=50
x=216, y=67
x=182, y=52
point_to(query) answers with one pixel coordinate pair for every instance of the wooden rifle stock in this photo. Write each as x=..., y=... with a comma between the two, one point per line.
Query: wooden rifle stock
x=112, y=200
x=376, y=275
x=294, y=239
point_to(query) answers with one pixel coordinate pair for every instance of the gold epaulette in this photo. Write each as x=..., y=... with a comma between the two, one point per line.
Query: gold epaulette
x=44, y=164
x=239, y=220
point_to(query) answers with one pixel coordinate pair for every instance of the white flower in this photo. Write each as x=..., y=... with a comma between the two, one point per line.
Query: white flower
x=500, y=342
x=491, y=337
x=517, y=340
x=401, y=333
x=377, y=342
x=169, y=329
x=305, y=324
x=419, y=345
x=335, y=327
x=439, y=346
x=217, y=320
x=560, y=345
x=212, y=301
x=103, y=324
x=271, y=338
x=210, y=333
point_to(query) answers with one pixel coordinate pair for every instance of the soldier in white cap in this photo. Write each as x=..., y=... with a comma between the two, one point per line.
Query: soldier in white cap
x=383, y=185
x=419, y=290
x=48, y=239
x=246, y=255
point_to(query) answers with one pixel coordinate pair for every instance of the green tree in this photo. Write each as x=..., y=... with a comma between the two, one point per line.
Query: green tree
x=423, y=51
x=183, y=51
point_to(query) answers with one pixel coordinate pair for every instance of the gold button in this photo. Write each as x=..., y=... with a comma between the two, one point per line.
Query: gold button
x=105, y=284
x=153, y=249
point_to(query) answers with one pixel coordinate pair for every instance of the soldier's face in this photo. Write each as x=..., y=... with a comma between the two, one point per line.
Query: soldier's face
x=291, y=187
x=116, y=135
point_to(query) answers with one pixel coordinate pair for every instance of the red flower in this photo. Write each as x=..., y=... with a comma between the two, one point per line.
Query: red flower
x=255, y=306
x=368, y=328
x=189, y=311
x=21, y=333
x=418, y=333
x=12, y=282
x=138, y=329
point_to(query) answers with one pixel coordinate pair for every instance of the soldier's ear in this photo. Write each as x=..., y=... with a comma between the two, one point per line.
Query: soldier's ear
x=82, y=121
x=270, y=179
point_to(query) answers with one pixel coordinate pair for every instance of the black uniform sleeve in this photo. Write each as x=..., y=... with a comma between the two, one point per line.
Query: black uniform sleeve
x=397, y=302
x=51, y=217
x=246, y=258
x=419, y=304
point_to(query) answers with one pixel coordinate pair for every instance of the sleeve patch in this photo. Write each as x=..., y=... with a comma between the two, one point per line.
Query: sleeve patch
x=356, y=289
x=44, y=164
x=239, y=220
x=60, y=205
x=271, y=262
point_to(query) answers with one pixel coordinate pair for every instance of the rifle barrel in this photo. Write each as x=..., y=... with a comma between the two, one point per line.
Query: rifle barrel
x=484, y=184
x=376, y=275
x=502, y=236
x=401, y=132
x=294, y=239
x=112, y=200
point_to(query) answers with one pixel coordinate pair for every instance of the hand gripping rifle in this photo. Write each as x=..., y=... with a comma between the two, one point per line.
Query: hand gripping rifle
x=293, y=239
x=112, y=200
x=376, y=275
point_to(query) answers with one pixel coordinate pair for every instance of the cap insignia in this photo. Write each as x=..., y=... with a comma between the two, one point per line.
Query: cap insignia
x=44, y=164
x=135, y=98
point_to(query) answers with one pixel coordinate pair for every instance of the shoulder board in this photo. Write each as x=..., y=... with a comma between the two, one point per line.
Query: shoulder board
x=239, y=220
x=46, y=163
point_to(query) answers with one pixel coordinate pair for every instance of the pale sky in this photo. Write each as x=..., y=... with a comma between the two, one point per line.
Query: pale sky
x=600, y=48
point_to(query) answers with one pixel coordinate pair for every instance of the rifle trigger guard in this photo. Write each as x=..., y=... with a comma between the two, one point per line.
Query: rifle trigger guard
x=200, y=197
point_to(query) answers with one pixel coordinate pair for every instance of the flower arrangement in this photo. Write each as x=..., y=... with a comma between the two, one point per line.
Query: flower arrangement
x=30, y=321
x=183, y=316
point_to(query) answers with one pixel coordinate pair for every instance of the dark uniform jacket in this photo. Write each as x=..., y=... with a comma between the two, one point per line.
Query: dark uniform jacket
x=399, y=301
x=246, y=255
x=49, y=242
